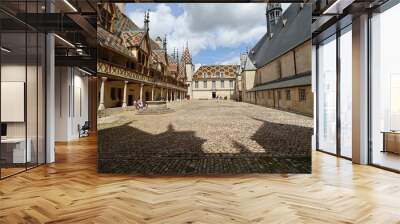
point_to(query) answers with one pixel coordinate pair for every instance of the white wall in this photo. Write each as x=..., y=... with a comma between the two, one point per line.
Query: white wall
x=71, y=87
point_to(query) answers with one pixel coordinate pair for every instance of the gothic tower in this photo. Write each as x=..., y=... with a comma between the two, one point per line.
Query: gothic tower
x=186, y=61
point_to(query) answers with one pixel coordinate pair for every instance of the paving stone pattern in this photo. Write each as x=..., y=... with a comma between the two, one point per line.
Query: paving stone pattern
x=205, y=137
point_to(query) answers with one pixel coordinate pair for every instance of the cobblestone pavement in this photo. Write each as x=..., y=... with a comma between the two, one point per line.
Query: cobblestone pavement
x=203, y=137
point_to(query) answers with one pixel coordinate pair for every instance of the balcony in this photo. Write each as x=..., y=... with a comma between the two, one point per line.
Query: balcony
x=110, y=69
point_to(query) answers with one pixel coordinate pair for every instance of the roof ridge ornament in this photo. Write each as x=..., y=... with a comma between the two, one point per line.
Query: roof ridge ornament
x=165, y=42
x=146, y=20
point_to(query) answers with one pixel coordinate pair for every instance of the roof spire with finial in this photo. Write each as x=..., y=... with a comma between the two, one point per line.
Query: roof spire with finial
x=146, y=20
x=165, y=42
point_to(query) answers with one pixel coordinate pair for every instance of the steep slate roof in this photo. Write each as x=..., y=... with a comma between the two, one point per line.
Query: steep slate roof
x=248, y=65
x=303, y=80
x=296, y=31
x=230, y=71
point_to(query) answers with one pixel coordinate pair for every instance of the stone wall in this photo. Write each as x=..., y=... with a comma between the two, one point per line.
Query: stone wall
x=270, y=98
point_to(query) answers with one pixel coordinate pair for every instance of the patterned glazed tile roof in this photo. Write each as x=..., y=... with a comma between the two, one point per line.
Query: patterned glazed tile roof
x=213, y=71
x=160, y=55
x=133, y=38
x=113, y=42
x=186, y=57
x=182, y=70
x=173, y=68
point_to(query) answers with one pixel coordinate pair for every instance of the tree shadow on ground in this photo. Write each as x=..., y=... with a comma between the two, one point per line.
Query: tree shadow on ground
x=126, y=149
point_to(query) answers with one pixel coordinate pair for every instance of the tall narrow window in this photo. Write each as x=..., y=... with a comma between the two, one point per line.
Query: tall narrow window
x=288, y=94
x=302, y=95
x=327, y=95
x=230, y=83
x=385, y=88
x=204, y=84
x=196, y=84
x=222, y=84
x=346, y=93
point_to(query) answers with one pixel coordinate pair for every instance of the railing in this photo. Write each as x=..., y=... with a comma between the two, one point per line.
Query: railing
x=120, y=71
x=108, y=68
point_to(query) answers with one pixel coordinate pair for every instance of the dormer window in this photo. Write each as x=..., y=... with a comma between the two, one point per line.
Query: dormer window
x=205, y=75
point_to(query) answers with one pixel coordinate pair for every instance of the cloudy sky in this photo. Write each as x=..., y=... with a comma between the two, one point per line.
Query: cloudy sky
x=216, y=33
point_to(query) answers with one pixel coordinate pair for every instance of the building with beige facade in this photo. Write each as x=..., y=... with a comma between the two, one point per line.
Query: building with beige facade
x=131, y=66
x=277, y=70
x=214, y=81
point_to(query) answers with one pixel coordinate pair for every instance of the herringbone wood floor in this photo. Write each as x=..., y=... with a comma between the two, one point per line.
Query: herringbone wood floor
x=70, y=191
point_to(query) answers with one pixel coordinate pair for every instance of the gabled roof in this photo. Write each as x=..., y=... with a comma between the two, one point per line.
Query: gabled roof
x=108, y=40
x=248, y=65
x=160, y=55
x=154, y=45
x=297, y=30
x=133, y=38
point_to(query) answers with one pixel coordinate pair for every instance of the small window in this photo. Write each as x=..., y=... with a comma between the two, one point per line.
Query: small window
x=204, y=84
x=196, y=84
x=302, y=95
x=230, y=83
x=222, y=84
x=205, y=75
x=222, y=75
x=288, y=94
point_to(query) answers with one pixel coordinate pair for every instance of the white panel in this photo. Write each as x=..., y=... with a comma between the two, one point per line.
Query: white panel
x=395, y=102
x=12, y=101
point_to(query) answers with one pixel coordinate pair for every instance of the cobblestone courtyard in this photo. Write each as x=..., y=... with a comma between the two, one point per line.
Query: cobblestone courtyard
x=205, y=137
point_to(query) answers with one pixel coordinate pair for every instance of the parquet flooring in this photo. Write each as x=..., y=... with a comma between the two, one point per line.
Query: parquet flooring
x=71, y=191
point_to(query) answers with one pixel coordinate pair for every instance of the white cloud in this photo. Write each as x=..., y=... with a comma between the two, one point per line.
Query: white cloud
x=206, y=26
x=233, y=60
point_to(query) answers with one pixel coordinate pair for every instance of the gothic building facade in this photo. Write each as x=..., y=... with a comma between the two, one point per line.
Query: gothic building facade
x=132, y=66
